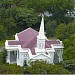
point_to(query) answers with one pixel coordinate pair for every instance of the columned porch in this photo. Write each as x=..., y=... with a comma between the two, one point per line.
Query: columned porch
x=12, y=56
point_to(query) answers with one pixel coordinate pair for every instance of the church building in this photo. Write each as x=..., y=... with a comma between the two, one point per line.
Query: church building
x=31, y=45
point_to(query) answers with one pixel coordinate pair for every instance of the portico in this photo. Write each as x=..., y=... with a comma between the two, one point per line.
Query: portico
x=12, y=56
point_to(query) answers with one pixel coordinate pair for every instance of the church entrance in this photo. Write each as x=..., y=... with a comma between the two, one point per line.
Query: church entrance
x=25, y=62
x=56, y=58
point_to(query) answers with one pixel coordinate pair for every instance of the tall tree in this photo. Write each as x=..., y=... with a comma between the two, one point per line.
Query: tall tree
x=50, y=28
x=58, y=8
x=64, y=31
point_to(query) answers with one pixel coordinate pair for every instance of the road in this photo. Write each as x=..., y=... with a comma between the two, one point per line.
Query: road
x=1, y=48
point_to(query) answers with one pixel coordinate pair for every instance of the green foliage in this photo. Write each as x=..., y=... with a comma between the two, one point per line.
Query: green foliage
x=17, y=15
x=69, y=53
x=1, y=58
x=64, y=31
x=41, y=67
x=59, y=8
x=67, y=34
x=50, y=28
x=11, y=69
x=39, y=6
x=2, y=32
x=3, y=55
x=26, y=15
x=69, y=65
x=6, y=68
x=1, y=69
x=6, y=3
x=2, y=43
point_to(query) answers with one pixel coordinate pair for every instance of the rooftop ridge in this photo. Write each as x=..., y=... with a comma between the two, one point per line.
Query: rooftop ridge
x=29, y=42
x=25, y=30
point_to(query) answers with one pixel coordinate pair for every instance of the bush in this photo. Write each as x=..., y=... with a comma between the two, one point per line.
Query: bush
x=3, y=55
x=69, y=65
x=11, y=69
x=42, y=67
x=2, y=32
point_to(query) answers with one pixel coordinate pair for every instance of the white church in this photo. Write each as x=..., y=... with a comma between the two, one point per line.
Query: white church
x=31, y=45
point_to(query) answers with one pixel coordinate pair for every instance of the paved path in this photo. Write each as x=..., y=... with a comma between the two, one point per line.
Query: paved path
x=1, y=48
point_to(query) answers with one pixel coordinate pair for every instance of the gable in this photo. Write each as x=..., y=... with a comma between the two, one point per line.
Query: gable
x=41, y=56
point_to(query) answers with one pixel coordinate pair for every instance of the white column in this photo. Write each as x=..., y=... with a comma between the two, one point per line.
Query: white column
x=15, y=52
x=21, y=59
x=59, y=53
x=52, y=57
x=18, y=58
x=8, y=57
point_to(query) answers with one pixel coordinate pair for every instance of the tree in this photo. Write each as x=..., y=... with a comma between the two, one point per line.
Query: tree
x=25, y=17
x=6, y=3
x=64, y=31
x=50, y=28
x=69, y=52
x=2, y=33
x=39, y=6
x=10, y=24
x=69, y=65
x=59, y=8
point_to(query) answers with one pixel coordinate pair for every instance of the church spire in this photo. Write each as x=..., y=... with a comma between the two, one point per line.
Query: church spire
x=41, y=34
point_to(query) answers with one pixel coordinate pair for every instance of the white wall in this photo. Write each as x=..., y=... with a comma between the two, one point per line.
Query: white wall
x=41, y=57
x=22, y=57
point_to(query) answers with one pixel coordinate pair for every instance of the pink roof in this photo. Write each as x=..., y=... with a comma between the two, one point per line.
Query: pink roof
x=28, y=39
x=27, y=35
x=15, y=42
x=49, y=42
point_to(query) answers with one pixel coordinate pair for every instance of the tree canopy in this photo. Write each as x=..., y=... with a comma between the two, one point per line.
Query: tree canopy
x=67, y=34
x=42, y=67
x=17, y=15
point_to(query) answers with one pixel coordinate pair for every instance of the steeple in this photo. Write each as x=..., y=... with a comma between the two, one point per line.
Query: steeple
x=41, y=37
x=41, y=34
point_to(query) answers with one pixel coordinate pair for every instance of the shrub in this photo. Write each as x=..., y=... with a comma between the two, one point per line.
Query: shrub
x=42, y=67
x=69, y=65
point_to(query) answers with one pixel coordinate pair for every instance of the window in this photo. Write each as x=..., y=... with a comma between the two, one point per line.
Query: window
x=40, y=45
